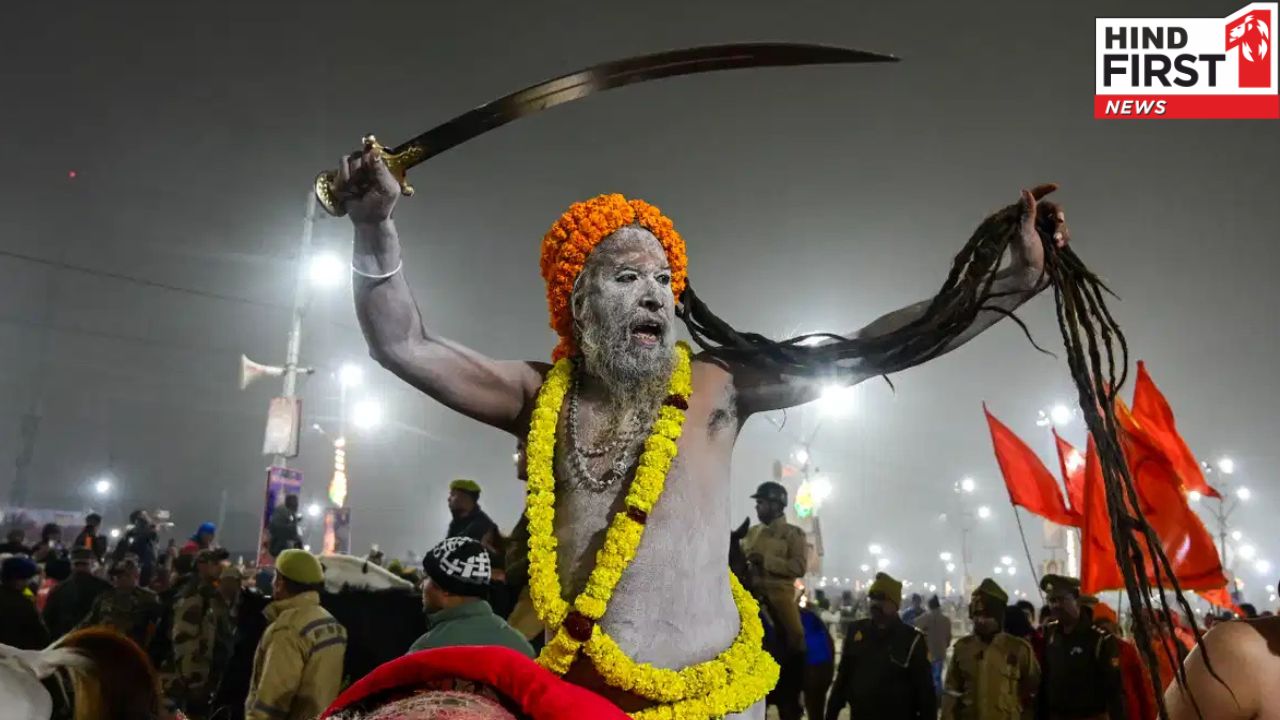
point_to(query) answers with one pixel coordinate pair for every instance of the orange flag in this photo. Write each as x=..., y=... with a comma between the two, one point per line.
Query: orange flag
x=1152, y=411
x=1182, y=535
x=1071, y=463
x=1098, y=568
x=1221, y=598
x=1030, y=483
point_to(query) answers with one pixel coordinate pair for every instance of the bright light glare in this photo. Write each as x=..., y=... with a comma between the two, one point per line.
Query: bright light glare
x=1060, y=414
x=802, y=456
x=998, y=570
x=1013, y=571
x=882, y=563
x=951, y=567
x=366, y=415
x=836, y=400
x=865, y=568
x=820, y=489
x=1263, y=567
x=1194, y=496
x=314, y=510
x=984, y=512
x=1247, y=552
x=968, y=485
x=115, y=532
x=350, y=375
x=1006, y=561
x=326, y=270
x=102, y=487
x=1237, y=535
x=1227, y=465
x=874, y=549
x=944, y=557
x=1244, y=493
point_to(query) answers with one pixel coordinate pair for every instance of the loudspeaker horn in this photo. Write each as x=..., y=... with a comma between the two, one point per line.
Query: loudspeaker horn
x=250, y=371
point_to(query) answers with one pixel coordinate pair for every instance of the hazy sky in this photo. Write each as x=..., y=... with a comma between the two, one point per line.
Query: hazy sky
x=810, y=199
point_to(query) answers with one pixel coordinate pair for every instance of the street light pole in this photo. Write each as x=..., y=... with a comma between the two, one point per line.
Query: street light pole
x=300, y=300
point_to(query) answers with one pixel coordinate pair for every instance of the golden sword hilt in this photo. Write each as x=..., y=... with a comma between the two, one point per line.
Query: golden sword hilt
x=398, y=163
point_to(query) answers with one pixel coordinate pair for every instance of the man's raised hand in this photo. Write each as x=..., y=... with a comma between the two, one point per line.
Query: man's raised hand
x=365, y=187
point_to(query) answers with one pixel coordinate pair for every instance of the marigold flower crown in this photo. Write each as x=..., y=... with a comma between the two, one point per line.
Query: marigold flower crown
x=571, y=239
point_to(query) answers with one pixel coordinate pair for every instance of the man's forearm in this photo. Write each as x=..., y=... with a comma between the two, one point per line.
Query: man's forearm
x=385, y=307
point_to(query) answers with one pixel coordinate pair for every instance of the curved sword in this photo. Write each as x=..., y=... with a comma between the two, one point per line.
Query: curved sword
x=573, y=86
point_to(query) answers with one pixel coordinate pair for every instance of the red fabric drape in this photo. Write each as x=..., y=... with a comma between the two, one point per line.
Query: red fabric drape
x=1030, y=483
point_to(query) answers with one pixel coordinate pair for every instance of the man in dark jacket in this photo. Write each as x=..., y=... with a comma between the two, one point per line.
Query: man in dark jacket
x=73, y=598
x=283, y=528
x=468, y=519
x=884, y=665
x=90, y=537
x=20, y=624
x=139, y=541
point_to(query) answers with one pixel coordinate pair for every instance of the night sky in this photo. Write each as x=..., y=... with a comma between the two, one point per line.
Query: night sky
x=811, y=199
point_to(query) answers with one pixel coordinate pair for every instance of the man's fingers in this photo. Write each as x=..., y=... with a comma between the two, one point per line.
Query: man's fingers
x=1028, y=204
x=344, y=171
x=1040, y=191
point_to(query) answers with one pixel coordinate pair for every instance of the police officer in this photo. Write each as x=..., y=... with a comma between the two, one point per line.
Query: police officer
x=992, y=674
x=776, y=558
x=1081, y=678
x=884, y=665
x=131, y=610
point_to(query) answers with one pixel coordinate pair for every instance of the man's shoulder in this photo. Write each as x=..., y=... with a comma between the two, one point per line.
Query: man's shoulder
x=1013, y=643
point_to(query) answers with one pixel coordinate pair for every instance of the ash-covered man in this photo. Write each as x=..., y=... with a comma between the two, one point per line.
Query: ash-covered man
x=627, y=397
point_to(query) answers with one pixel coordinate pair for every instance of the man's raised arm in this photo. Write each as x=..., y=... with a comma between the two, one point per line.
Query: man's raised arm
x=762, y=391
x=491, y=391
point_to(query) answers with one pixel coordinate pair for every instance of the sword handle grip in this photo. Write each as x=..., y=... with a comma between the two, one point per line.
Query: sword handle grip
x=398, y=163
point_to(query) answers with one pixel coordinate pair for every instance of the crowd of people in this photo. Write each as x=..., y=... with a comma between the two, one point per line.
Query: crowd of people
x=869, y=655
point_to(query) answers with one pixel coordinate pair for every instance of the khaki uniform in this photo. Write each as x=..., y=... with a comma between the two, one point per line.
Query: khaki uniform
x=991, y=681
x=202, y=636
x=297, y=670
x=134, y=612
x=783, y=548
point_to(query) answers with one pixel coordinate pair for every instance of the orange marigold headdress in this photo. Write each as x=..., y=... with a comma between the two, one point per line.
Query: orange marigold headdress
x=571, y=239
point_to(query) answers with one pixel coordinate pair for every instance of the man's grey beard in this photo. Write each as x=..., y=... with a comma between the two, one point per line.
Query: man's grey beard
x=636, y=377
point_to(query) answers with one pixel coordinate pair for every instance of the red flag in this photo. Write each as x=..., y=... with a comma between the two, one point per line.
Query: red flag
x=1221, y=598
x=1152, y=411
x=1071, y=463
x=1098, y=568
x=1185, y=541
x=1030, y=483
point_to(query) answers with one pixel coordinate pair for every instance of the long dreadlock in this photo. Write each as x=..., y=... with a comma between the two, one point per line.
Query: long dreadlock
x=1095, y=348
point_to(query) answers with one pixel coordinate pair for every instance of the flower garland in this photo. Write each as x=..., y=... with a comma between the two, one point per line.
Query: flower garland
x=576, y=233
x=731, y=682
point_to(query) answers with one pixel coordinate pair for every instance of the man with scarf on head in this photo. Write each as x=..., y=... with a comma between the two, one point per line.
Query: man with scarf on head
x=992, y=674
x=1080, y=679
x=628, y=399
x=884, y=665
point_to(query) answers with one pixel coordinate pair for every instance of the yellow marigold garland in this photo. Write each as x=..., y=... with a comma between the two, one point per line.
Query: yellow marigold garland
x=741, y=676
x=576, y=233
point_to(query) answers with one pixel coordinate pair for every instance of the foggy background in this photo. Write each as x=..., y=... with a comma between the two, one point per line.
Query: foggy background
x=811, y=199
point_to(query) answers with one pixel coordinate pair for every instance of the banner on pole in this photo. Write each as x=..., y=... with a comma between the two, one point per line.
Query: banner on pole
x=280, y=482
x=284, y=424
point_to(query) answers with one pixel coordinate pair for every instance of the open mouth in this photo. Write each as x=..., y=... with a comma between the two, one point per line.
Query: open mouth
x=646, y=333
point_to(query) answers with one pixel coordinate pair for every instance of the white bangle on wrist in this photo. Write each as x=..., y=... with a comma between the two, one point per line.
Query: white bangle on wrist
x=378, y=277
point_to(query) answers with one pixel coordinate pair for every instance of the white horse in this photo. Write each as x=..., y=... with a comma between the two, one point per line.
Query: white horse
x=357, y=573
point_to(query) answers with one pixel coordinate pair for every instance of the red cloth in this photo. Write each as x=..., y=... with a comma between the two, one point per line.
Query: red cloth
x=1030, y=483
x=1152, y=410
x=539, y=693
x=1139, y=698
x=191, y=547
x=1071, y=463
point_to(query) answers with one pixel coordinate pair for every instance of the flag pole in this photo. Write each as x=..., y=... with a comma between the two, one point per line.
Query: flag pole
x=1026, y=548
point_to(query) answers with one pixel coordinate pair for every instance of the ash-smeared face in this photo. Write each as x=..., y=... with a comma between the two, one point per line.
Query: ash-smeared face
x=624, y=310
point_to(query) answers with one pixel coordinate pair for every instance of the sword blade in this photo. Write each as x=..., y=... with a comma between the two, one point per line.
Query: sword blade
x=597, y=78
x=620, y=73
